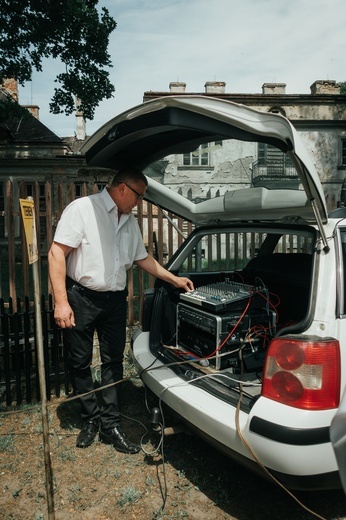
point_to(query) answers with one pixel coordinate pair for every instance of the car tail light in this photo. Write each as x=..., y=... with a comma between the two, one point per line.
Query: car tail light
x=303, y=372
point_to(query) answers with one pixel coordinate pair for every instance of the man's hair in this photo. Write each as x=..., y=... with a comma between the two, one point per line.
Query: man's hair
x=129, y=175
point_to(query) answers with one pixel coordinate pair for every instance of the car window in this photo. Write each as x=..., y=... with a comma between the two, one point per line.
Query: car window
x=229, y=251
x=343, y=268
x=213, y=168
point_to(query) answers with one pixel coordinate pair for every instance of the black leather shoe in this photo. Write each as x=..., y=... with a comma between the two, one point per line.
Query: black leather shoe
x=87, y=434
x=119, y=440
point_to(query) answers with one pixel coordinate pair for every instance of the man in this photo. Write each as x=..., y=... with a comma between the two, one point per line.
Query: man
x=96, y=241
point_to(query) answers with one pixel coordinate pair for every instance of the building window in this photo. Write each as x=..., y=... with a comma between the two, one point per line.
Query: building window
x=277, y=110
x=199, y=157
x=78, y=189
x=202, y=155
x=2, y=211
x=343, y=252
x=101, y=186
x=343, y=152
x=275, y=162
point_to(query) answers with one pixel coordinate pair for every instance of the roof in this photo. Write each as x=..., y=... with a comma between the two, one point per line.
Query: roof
x=21, y=126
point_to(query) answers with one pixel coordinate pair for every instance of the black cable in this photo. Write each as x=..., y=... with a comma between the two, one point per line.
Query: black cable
x=164, y=490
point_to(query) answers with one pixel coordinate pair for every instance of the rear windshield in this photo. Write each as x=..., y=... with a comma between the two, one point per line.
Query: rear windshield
x=215, y=167
x=233, y=250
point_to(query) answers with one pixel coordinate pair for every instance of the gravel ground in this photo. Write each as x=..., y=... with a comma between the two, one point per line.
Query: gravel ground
x=184, y=478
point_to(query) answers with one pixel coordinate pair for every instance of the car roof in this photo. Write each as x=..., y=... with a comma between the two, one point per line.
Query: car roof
x=179, y=124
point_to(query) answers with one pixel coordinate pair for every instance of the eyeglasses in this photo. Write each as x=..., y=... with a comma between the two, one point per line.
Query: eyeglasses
x=139, y=195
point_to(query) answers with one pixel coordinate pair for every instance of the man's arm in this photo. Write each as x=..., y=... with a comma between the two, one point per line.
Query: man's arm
x=63, y=313
x=151, y=266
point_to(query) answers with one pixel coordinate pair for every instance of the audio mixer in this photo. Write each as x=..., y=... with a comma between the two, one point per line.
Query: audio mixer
x=221, y=296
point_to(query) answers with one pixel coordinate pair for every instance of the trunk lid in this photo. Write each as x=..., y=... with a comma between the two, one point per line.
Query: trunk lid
x=179, y=124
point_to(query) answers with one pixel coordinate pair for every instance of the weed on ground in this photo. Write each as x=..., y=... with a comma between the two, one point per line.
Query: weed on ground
x=178, y=477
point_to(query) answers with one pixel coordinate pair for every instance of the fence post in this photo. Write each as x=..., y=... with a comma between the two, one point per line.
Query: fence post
x=49, y=222
x=11, y=249
x=30, y=227
x=43, y=392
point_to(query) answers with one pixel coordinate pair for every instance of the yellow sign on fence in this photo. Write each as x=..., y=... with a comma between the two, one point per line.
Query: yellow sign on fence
x=28, y=214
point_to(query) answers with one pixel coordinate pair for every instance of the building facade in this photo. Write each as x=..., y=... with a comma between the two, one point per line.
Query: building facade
x=319, y=117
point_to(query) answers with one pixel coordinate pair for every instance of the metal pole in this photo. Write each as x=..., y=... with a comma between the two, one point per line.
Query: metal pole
x=28, y=214
x=43, y=392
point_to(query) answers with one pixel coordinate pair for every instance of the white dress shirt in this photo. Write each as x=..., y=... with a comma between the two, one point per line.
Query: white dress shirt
x=103, y=248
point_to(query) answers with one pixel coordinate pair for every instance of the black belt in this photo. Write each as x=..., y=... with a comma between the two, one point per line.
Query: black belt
x=90, y=292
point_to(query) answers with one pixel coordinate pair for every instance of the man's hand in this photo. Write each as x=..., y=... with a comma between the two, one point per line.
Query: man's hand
x=182, y=282
x=152, y=266
x=64, y=316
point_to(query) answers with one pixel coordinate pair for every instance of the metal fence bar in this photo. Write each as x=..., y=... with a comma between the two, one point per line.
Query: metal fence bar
x=57, y=352
x=18, y=359
x=5, y=351
x=11, y=241
x=28, y=349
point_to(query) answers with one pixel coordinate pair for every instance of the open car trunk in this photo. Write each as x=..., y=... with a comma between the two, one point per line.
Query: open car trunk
x=224, y=326
x=264, y=199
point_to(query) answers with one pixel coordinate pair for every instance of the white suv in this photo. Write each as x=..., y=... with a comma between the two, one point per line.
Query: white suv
x=253, y=360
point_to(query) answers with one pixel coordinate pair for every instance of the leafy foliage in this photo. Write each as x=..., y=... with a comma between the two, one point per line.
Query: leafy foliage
x=343, y=88
x=75, y=32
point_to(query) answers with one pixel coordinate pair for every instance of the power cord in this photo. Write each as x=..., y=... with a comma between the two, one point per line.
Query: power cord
x=246, y=443
x=160, y=448
x=248, y=446
x=163, y=489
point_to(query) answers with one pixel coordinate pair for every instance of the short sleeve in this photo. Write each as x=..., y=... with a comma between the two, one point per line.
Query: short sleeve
x=70, y=229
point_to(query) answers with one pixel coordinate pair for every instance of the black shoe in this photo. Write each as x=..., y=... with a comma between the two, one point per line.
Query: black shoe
x=119, y=440
x=88, y=434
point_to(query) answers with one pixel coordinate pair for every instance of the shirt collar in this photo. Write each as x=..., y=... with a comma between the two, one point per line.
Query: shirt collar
x=107, y=199
x=110, y=205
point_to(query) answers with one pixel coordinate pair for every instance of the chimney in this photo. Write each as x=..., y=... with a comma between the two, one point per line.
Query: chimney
x=80, y=123
x=327, y=86
x=11, y=85
x=274, y=88
x=177, y=87
x=215, y=87
x=34, y=110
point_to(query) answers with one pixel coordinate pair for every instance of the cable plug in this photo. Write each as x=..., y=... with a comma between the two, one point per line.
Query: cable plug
x=156, y=419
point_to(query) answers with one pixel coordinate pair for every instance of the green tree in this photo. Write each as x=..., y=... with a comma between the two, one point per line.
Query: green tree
x=72, y=31
x=343, y=88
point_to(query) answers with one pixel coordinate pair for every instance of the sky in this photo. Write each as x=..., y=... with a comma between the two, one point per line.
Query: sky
x=243, y=43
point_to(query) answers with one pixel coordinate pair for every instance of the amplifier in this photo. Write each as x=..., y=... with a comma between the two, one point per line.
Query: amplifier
x=200, y=333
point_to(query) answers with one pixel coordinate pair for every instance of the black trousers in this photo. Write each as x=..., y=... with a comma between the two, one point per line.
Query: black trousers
x=105, y=313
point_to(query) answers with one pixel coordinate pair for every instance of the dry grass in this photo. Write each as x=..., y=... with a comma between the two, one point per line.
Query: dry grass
x=188, y=480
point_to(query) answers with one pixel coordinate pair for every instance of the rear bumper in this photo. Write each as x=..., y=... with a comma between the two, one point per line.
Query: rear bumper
x=287, y=435
x=299, y=458
x=322, y=481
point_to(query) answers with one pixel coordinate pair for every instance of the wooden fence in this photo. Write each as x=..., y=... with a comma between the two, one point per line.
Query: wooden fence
x=18, y=364
x=160, y=236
